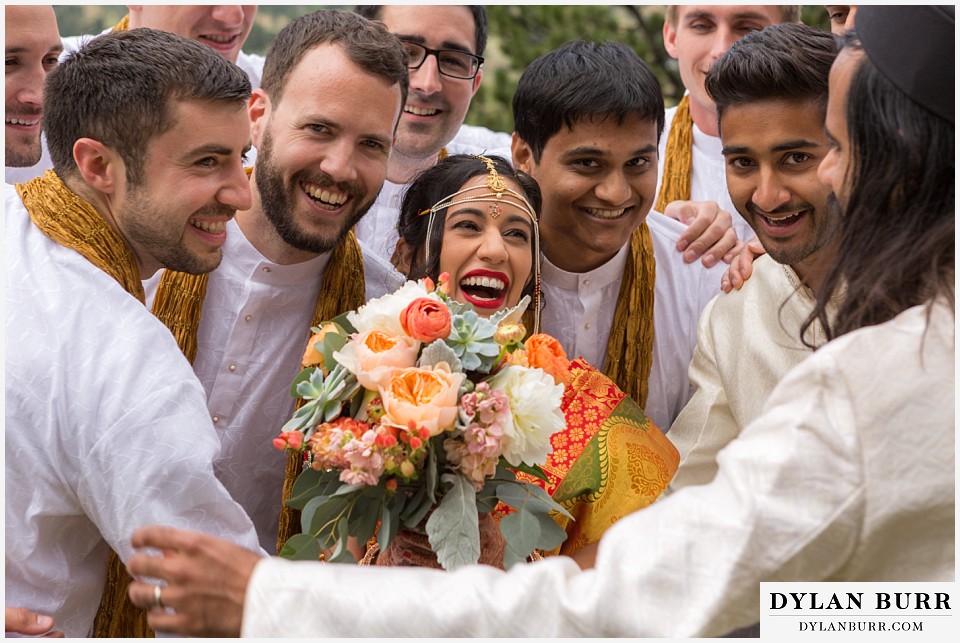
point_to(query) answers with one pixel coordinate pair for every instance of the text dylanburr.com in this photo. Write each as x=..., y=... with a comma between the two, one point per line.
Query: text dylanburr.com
x=893, y=611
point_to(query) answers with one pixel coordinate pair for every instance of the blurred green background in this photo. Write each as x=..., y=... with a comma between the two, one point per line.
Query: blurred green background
x=518, y=34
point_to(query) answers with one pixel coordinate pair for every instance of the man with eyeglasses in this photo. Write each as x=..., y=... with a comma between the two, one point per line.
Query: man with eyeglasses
x=445, y=46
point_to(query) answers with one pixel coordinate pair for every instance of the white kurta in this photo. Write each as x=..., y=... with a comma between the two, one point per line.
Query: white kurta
x=747, y=341
x=106, y=429
x=378, y=228
x=847, y=476
x=578, y=311
x=252, y=64
x=253, y=331
x=709, y=181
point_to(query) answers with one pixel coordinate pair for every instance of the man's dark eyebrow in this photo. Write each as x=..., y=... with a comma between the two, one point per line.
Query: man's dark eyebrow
x=797, y=144
x=19, y=50
x=587, y=150
x=212, y=148
x=446, y=44
x=779, y=147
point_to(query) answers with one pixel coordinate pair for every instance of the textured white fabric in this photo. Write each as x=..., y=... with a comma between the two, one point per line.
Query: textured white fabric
x=252, y=64
x=848, y=475
x=748, y=340
x=254, y=328
x=378, y=228
x=578, y=311
x=106, y=429
x=709, y=181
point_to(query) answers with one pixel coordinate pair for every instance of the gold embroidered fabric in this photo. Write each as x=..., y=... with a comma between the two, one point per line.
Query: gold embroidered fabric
x=630, y=346
x=678, y=158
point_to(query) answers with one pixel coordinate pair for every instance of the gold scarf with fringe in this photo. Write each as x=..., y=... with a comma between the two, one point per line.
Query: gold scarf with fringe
x=630, y=346
x=677, y=158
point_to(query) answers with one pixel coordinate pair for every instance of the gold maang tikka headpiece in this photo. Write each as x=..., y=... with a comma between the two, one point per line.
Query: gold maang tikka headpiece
x=495, y=190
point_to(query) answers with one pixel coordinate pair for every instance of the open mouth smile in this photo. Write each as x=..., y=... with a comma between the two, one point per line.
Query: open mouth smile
x=485, y=289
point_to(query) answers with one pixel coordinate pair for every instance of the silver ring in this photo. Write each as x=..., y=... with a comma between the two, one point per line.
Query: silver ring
x=156, y=597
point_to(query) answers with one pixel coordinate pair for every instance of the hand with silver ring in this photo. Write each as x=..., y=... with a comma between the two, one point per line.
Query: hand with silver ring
x=157, y=601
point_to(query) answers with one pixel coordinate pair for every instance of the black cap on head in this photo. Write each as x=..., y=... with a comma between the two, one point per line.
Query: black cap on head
x=913, y=46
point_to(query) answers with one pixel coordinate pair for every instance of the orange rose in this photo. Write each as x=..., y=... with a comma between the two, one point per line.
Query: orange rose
x=426, y=397
x=313, y=357
x=545, y=352
x=426, y=320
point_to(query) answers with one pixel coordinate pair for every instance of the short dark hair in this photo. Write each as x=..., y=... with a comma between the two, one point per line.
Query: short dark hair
x=118, y=89
x=896, y=236
x=787, y=61
x=583, y=80
x=375, y=12
x=366, y=43
x=438, y=182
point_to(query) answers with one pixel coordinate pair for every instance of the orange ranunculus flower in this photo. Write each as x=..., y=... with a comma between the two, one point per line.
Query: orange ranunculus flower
x=373, y=355
x=425, y=396
x=426, y=319
x=311, y=356
x=545, y=352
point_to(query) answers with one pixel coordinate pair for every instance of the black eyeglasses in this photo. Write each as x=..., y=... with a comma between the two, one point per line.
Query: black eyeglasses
x=450, y=62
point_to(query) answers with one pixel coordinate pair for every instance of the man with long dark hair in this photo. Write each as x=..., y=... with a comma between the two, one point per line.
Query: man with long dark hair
x=808, y=491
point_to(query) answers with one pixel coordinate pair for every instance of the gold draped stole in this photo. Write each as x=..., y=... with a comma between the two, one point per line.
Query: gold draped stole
x=73, y=223
x=630, y=346
x=678, y=158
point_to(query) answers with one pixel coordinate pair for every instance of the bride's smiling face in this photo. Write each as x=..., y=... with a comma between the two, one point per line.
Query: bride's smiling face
x=489, y=259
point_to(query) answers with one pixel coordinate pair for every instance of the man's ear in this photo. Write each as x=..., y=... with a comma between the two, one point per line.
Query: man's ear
x=402, y=258
x=258, y=110
x=522, y=154
x=477, y=79
x=670, y=38
x=100, y=167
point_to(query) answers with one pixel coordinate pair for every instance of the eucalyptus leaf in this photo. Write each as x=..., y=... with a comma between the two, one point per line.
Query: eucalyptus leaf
x=301, y=547
x=312, y=483
x=521, y=533
x=340, y=553
x=453, y=527
x=551, y=534
x=389, y=524
x=366, y=514
x=332, y=342
x=529, y=497
x=416, y=508
x=343, y=323
x=532, y=470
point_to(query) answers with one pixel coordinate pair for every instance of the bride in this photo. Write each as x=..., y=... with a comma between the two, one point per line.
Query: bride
x=476, y=219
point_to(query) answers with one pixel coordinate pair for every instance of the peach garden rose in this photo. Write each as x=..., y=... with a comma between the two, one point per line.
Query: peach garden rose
x=373, y=355
x=425, y=396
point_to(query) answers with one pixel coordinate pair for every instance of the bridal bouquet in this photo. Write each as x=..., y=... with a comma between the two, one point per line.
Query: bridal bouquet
x=416, y=413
